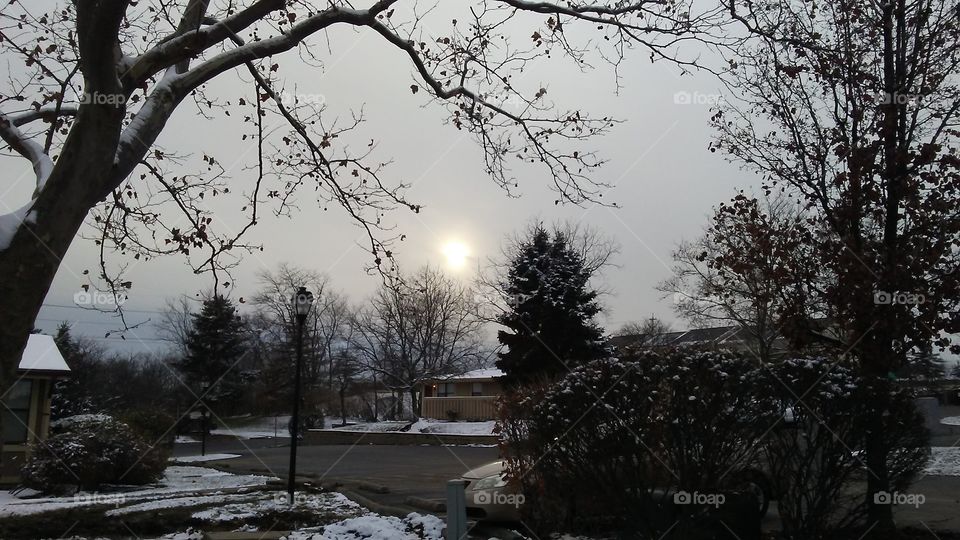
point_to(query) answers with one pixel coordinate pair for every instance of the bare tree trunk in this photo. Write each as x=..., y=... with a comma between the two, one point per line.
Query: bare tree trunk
x=414, y=406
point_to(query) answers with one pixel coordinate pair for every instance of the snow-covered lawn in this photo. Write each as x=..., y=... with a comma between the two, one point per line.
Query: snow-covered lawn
x=266, y=427
x=376, y=527
x=209, y=500
x=177, y=480
x=365, y=527
x=425, y=425
x=371, y=427
x=201, y=459
x=944, y=461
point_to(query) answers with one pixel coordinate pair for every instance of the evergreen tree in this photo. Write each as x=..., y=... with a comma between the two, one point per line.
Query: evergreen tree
x=923, y=364
x=549, y=323
x=215, y=346
x=72, y=394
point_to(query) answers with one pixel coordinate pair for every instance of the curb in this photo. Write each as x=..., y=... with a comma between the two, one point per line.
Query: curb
x=374, y=506
x=371, y=487
x=426, y=504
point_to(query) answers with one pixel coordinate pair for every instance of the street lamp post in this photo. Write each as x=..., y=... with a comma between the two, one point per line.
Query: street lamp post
x=204, y=386
x=302, y=301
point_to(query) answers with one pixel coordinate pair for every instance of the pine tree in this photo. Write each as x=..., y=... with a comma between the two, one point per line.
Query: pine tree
x=215, y=346
x=72, y=394
x=550, y=325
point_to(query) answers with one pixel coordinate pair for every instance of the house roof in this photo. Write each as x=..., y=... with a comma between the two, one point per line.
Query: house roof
x=483, y=374
x=717, y=334
x=42, y=355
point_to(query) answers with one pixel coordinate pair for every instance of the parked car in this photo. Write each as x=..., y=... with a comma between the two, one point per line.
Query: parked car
x=489, y=497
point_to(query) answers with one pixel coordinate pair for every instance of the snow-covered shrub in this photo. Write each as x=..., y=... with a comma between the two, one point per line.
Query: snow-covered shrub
x=613, y=442
x=154, y=425
x=816, y=413
x=87, y=451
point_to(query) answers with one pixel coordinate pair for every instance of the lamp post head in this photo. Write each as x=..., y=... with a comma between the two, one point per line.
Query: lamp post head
x=302, y=302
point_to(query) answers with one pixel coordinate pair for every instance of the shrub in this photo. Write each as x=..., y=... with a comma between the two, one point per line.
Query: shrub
x=610, y=444
x=816, y=413
x=154, y=425
x=87, y=451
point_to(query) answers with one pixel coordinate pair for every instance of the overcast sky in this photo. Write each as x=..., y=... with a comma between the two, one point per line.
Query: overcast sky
x=666, y=183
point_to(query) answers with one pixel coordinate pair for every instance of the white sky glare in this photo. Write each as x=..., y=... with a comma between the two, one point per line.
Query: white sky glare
x=666, y=182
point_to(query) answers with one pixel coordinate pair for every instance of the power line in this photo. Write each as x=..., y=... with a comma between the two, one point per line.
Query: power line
x=104, y=312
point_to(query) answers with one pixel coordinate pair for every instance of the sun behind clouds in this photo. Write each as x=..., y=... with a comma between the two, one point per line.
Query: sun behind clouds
x=456, y=253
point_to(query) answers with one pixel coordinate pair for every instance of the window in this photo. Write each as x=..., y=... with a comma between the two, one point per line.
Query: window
x=477, y=389
x=16, y=413
x=445, y=390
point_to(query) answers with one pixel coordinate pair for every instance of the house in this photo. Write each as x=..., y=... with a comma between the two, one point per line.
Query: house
x=734, y=337
x=26, y=404
x=470, y=396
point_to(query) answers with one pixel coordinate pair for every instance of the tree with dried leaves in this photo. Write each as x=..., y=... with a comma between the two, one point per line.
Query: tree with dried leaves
x=92, y=86
x=855, y=107
x=751, y=268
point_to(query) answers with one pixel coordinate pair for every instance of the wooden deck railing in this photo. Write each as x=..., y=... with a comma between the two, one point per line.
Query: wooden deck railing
x=467, y=407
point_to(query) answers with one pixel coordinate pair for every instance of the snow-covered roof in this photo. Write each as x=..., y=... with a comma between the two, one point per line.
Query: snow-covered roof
x=42, y=354
x=477, y=374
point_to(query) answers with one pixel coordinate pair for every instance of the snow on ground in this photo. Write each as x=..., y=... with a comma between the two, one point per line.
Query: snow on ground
x=371, y=427
x=453, y=428
x=368, y=526
x=376, y=527
x=944, y=461
x=314, y=502
x=184, y=439
x=177, y=480
x=177, y=502
x=951, y=421
x=423, y=425
x=266, y=427
x=200, y=459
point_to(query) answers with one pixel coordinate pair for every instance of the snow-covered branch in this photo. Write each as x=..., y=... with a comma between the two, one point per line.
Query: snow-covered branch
x=28, y=148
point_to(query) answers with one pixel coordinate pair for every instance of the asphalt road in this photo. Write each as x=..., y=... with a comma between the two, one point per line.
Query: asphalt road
x=422, y=471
